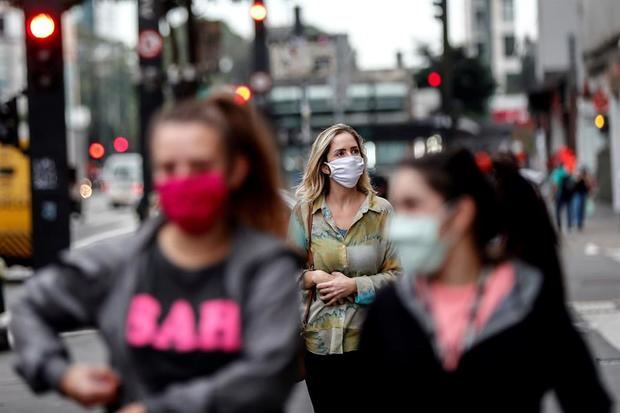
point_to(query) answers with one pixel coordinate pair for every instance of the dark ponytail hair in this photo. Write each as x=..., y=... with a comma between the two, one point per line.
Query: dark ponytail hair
x=528, y=228
x=508, y=209
x=455, y=175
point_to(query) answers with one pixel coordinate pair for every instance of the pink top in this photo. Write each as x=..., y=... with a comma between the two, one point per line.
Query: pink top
x=451, y=307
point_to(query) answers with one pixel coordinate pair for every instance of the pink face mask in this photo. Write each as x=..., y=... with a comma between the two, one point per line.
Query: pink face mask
x=194, y=203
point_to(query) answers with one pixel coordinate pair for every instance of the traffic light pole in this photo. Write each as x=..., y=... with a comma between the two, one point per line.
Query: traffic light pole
x=446, y=61
x=150, y=44
x=46, y=119
x=260, y=81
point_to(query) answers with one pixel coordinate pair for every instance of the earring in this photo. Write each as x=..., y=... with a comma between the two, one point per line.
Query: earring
x=496, y=247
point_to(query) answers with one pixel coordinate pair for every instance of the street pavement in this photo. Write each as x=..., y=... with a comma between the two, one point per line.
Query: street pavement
x=100, y=221
x=592, y=263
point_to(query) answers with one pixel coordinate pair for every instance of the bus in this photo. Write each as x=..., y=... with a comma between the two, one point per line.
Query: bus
x=15, y=209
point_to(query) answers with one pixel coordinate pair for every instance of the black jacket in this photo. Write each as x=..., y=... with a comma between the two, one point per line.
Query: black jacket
x=528, y=347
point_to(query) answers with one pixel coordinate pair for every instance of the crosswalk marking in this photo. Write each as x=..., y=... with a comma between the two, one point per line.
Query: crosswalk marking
x=591, y=250
x=603, y=317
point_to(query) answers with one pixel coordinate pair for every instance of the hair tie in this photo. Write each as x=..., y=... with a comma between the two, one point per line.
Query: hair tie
x=484, y=162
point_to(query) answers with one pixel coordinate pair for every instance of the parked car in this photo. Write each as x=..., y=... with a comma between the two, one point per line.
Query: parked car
x=122, y=179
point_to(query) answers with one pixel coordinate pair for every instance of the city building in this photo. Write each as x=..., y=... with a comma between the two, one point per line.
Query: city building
x=315, y=76
x=559, y=26
x=573, y=64
x=12, y=52
x=490, y=34
x=600, y=37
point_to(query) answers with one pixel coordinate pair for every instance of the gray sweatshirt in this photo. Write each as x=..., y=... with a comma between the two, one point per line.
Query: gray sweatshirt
x=92, y=287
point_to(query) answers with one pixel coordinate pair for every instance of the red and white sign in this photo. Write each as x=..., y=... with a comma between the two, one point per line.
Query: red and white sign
x=511, y=116
x=150, y=44
x=601, y=101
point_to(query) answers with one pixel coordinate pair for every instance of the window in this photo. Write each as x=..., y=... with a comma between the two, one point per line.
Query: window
x=320, y=92
x=508, y=10
x=390, y=153
x=391, y=89
x=321, y=63
x=480, y=50
x=510, y=45
x=360, y=91
x=480, y=20
x=514, y=83
x=286, y=93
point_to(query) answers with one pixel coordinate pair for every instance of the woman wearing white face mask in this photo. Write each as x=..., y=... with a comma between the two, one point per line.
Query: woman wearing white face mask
x=351, y=261
x=477, y=324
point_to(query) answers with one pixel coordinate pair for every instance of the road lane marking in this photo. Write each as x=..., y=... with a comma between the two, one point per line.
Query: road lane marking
x=603, y=317
x=594, y=307
x=591, y=250
x=104, y=236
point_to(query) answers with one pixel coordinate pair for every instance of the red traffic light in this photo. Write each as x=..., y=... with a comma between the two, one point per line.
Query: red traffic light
x=96, y=150
x=121, y=144
x=434, y=79
x=258, y=11
x=42, y=26
x=243, y=94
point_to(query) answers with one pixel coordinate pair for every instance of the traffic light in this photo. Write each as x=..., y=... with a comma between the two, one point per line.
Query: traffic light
x=260, y=79
x=96, y=151
x=44, y=47
x=47, y=129
x=258, y=11
x=434, y=79
x=600, y=121
x=9, y=122
x=42, y=26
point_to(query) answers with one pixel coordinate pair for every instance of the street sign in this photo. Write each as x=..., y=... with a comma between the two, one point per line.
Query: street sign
x=150, y=44
x=261, y=82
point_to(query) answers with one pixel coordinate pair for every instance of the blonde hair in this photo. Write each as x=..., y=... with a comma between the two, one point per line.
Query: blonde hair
x=315, y=183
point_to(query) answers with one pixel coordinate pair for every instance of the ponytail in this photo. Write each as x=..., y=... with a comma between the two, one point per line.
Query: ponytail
x=527, y=228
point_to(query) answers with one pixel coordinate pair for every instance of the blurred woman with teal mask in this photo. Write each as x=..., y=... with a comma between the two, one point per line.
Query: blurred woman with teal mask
x=478, y=322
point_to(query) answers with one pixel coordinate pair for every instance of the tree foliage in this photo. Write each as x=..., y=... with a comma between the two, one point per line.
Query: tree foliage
x=472, y=80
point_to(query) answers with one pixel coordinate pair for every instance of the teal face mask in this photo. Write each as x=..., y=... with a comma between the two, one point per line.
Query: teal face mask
x=416, y=238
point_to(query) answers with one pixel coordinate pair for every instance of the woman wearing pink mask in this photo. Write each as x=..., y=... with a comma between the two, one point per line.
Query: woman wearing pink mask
x=339, y=221
x=198, y=309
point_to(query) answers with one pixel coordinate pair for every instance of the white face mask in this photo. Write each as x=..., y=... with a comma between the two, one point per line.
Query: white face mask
x=347, y=171
x=416, y=238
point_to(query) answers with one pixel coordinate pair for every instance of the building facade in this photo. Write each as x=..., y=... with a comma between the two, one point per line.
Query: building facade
x=600, y=37
x=12, y=52
x=490, y=34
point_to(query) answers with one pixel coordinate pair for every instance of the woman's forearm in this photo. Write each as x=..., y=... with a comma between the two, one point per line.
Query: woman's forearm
x=307, y=282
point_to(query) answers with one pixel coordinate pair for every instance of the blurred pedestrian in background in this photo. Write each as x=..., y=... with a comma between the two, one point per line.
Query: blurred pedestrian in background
x=584, y=183
x=199, y=308
x=75, y=199
x=563, y=186
x=477, y=323
x=380, y=185
x=352, y=261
